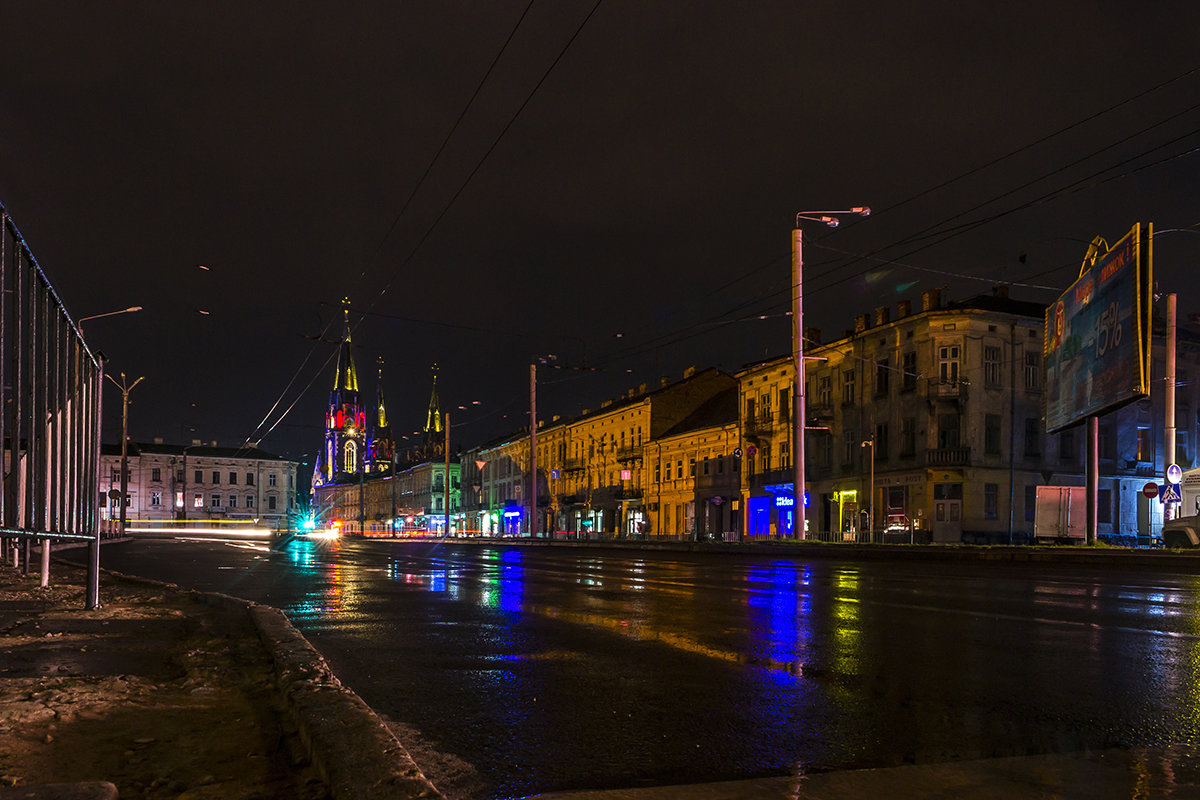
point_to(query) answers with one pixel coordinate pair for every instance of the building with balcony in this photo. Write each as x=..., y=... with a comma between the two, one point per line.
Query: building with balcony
x=198, y=483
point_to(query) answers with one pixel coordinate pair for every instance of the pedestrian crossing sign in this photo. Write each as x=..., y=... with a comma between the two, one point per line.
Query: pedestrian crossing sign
x=1169, y=493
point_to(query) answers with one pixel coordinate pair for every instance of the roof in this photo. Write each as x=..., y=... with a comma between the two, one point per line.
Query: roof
x=720, y=409
x=142, y=448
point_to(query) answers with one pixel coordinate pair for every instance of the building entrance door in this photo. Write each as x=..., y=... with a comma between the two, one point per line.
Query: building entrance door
x=947, y=512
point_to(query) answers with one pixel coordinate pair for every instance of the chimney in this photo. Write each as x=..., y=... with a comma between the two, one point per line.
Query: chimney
x=1000, y=290
x=642, y=388
x=664, y=381
x=689, y=372
x=555, y=418
x=862, y=322
x=158, y=440
x=903, y=309
x=812, y=335
x=196, y=442
x=605, y=403
x=931, y=300
x=882, y=316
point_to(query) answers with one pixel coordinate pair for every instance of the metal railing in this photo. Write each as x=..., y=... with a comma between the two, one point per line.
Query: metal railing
x=50, y=405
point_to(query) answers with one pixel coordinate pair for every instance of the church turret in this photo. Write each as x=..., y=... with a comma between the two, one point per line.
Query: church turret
x=345, y=419
x=380, y=449
x=432, y=440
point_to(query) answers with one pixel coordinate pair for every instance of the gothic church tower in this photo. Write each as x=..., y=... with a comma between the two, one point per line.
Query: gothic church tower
x=345, y=420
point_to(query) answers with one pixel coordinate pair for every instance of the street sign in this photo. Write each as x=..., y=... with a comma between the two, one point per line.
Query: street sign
x=752, y=451
x=1174, y=474
x=1150, y=489
x=1170, y=493
x=737, y=453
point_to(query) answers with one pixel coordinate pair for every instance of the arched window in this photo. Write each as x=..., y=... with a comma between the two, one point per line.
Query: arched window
x=351, y=456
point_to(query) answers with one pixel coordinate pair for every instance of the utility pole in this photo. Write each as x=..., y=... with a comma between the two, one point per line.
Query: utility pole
x=1169, y=399
x=125, y=388
x=799, y=523
x=533, y=487
x=871, y=498
x=446, y=481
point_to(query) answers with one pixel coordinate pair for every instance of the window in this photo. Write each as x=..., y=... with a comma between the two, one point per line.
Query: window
x=909, y=365
x=721, y=465
x=849, y=448
x=825, y=390
x=1033, y=371
x=1104, y=506
x=216, y=477
x=948, y=363
x=948, y=430
x=198, y=477
x=692, y=467
x=249, y=478
x=1033, y=437
x=750, y=409
x=233, y=501
x=881, y=442
x=991, y=434
x=156, y=474
x=1181, y=448
x=249, y=501
x=679, y=468
x=657, y=472
x=1030, y=502
x=271, y=503
x=1066, y=447
x=991, y=365
x=349, y=457
x=232, y=478
x=705, y=462
x=271, y=479
x=785, y=455
x=848, y=386
x=215, y=501
x=825, y=443
x=764, y=406
x=155, y=498
x=785, y=406
x=1107, y=441
x=115, y=476
x=991, y=500
x=197, y=500
x=882, y=370
x=908, y=436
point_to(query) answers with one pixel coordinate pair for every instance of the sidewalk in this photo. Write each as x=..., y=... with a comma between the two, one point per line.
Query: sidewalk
x=167, y=693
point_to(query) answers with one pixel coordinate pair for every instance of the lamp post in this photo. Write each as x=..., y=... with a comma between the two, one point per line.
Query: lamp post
x=130, y=310
x=871, y=498
x=799, y=524
x=125, y=388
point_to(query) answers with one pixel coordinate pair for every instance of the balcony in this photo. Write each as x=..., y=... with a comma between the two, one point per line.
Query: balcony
x=773, y=477
x=946, y=389
x=628, y=453
x=629, y=494
x=948, y=457
x=760, y=426
x=573, y=465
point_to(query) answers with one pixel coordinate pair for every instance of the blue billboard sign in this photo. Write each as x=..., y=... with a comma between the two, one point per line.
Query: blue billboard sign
x=1097, y=336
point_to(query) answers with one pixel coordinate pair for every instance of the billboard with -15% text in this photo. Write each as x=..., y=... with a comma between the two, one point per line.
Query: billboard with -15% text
x=1097, y=336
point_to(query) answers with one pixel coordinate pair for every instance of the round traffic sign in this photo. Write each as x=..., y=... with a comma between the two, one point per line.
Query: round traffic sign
x=1174, y=474
x=1150, y=489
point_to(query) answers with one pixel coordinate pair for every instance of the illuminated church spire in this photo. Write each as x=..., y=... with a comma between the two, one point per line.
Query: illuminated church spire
x=344, y=453
x=380, y=446
x=433, y=420
x=346, y=377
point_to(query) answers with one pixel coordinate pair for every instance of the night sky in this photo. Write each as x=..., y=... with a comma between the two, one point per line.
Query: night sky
x=620, y=191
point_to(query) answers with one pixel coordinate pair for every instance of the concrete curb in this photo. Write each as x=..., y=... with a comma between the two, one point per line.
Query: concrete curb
x=355, y=753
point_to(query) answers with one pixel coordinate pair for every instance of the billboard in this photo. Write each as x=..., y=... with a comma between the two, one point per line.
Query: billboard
x=1096, y=348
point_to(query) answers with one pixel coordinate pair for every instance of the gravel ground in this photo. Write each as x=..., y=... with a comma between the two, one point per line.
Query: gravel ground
x=155, y=691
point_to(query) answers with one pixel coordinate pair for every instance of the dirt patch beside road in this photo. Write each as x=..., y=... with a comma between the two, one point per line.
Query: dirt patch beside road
x=157, y=692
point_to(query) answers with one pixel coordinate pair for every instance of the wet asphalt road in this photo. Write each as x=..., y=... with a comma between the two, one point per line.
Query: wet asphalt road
x=546, y=669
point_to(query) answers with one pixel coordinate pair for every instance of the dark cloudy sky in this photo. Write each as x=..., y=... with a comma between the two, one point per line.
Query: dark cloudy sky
x=620, y=192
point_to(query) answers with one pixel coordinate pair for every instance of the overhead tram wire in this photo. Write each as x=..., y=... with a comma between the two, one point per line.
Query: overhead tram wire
x=396, y=220
x=445, y=142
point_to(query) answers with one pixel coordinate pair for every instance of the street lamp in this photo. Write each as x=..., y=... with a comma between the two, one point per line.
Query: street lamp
x=871, y=501
x=130, y=310
x=799, y=524
x=125, y=388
